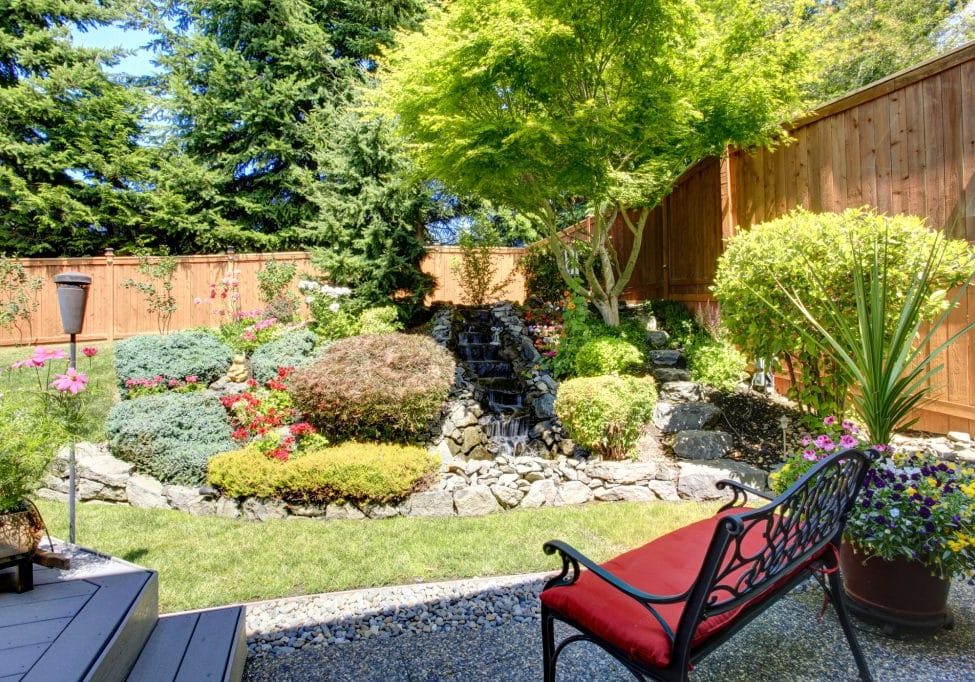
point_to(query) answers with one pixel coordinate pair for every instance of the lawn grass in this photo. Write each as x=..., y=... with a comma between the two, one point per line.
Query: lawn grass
x=209, y=561
x=23, y=385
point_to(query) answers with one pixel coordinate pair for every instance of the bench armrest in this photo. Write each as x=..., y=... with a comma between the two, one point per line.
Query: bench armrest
x=741, y=492
x=573, y=557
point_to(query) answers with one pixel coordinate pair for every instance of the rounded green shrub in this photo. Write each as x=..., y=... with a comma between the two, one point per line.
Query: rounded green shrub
x=605, y=414
x=813, y=254
x=375, y=387
x=170, y=436
x=379, y=320
x=607, y=355
x=352, y=472
x=295, y=349
x=715, y=362
x=172, y=356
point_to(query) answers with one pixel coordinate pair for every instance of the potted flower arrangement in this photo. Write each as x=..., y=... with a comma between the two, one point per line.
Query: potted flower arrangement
x=916, y=516
x=911, y=531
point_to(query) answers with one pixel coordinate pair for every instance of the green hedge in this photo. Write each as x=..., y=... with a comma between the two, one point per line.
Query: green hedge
x=715, y=362
x=385, y=387
x=605, y=414
x=172, y=356
x=295, y=349
x=170, y=436
x=353, y=472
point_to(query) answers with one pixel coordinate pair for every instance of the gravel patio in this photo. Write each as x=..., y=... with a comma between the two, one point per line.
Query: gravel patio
x=488, y=629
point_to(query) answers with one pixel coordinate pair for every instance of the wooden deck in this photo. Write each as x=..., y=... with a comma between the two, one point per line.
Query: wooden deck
x=99, y=622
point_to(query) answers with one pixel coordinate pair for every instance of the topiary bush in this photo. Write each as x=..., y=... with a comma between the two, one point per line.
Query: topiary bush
x=295, y=349
x=814, y=254
x=353, y=472
x=607, y=355
x=604, y=414
x=173, y=356
x=379, y=320
x=376, y=387
x=715, y=362
x=170, y=436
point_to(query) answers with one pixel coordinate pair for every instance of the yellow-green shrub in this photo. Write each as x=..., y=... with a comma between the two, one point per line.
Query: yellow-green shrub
x=354, y=472
x=607, y=355
x=605, y=414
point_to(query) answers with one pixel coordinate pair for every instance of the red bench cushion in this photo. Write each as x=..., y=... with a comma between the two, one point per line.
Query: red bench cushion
x=668, y=565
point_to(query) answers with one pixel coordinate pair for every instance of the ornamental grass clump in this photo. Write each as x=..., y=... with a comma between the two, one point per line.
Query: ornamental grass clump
x=383, y=387
x=605, y=414
x=351, y=472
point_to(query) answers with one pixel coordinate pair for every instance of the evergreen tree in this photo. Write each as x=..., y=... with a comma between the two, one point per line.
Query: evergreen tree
x=257, y=88
x=68, y=134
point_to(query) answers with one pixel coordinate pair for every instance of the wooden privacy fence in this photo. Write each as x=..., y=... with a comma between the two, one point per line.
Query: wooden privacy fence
x=116, y=312
x=905, y=144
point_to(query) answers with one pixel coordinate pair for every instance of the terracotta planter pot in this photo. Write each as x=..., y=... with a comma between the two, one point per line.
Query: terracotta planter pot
x=20, y=533
x=901, y=595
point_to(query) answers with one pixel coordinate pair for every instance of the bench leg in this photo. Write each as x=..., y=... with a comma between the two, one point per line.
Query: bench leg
x=835, y=593
x=548, y=645
x=25, y=575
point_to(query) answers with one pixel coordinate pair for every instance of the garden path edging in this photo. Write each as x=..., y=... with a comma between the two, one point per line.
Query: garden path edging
x=464, y=487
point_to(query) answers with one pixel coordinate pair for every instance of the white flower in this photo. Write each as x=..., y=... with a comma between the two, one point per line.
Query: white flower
x=309, y=299
x=334, y=307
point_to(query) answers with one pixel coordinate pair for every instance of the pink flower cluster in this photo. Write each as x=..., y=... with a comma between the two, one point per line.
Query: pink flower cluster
x=250, y=334
x=160, y=384
x=846, y=436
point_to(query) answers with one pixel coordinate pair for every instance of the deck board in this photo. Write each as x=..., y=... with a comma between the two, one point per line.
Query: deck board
x=209, y=651
x=163, y=654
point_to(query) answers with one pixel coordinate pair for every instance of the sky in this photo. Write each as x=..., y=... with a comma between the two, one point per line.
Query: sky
x=139, y=64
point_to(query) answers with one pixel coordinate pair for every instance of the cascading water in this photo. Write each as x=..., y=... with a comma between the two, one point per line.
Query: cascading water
x=496, y=385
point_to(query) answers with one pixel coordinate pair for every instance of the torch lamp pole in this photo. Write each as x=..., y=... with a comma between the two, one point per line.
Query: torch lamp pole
x=72, y=301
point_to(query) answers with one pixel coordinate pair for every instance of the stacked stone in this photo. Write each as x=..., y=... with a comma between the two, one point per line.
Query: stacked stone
x=465, y=487
x=956, y=446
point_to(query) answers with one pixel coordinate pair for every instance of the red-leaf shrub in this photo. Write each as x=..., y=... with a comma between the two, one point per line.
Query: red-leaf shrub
x=375, y=387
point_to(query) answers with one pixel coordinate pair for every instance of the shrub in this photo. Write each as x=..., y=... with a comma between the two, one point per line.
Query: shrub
x=815, y=254
x=273, y=281
x=715, y=362
x=376, y=387
x=543, y=281
x=607, y=355
x=674, y=317
x=249, y=332
x=158, y=291
x=476, y=271
x=580, y=326
x=605, y=414
x=379, y=320
x=29, y=438
x=170, y=436
x=294, y=349
x=173, y=356
x=19, y=294
x=353, y=472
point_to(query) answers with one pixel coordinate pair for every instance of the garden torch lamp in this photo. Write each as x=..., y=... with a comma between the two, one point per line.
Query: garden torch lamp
x=72, y=301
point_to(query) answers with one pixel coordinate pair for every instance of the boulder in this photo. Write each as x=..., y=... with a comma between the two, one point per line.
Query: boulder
x=671, y=418
x=383, y=511
x=343, y=512
x=626, y=493
x=623, y=472
x=544, y=406
x=665, y=490
x=254, y=509
x=432, y=503
x=188, y=499
x=48, y=494
x=508, y=497
x=146, y=492
x=473, y=436
x=665, y=374
x=462, y=416
x=90, y=490
x=93, y=462
x=696, y=444
x=681, y=392
x=574, y=492
x=666, y=358
x=541, y=494
x=227, y=507
x=697, y=479
x=475, y=500
x=658, y=338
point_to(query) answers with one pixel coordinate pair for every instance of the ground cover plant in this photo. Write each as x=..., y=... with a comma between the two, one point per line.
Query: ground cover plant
x=173, y=356
x=384, y=387
x=605, y=414
x=170, y=436
x=293, y=349
x=184, y=547
x=368, y=473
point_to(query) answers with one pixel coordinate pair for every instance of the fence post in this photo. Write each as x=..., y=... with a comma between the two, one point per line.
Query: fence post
x=112, y=313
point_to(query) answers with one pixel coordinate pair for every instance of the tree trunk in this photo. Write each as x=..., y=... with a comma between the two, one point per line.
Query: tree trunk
x=609, y=310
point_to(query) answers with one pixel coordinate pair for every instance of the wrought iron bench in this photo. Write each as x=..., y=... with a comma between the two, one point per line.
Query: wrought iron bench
x=661, y=608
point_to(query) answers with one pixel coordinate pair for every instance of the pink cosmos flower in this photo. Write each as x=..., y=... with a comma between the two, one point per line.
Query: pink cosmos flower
x=89, y=351
x=22, y=363
x=829, y=421
x=71, y=381
x=809, y=455
x=848, y=441
x=42, y=355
